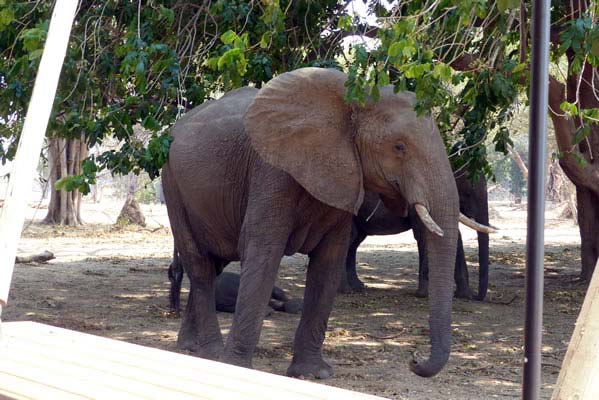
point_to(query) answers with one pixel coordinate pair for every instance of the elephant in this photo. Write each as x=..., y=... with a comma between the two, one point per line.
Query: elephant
x=375, y=219
x=227, y=288
x=262, y=173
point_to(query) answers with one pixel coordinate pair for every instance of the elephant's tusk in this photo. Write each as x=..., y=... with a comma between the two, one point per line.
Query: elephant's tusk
x=475, y=225
x=427, y=220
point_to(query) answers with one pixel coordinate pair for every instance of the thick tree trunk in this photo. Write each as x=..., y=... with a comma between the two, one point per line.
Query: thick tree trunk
x=519, y=162
x=65, y=156
x=579, y=162
x=131, y=212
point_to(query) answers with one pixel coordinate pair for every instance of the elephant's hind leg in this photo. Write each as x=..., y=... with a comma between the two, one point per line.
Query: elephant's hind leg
x=199, y=330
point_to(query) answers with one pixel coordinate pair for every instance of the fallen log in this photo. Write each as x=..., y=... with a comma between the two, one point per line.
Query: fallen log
x=39, y=258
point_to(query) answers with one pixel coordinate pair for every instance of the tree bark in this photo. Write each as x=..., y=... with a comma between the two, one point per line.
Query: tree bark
x=519, y=162
x=65, y=156
x=579, y=161
x=131, y=212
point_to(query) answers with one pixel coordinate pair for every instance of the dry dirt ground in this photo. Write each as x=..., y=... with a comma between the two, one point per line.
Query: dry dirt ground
x=111, y=281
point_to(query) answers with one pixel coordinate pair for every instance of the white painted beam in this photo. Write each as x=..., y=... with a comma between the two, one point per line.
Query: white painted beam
x=12, y=214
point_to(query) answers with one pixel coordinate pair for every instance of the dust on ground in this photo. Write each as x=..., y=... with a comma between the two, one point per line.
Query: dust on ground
x=111, y=281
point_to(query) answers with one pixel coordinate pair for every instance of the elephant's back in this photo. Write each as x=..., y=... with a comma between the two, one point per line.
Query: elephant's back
x=208, y=160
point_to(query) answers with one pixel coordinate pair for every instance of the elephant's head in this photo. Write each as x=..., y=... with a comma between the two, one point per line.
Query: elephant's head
x=300, y=123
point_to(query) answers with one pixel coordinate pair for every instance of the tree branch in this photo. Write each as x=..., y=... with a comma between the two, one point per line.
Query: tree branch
x=582, y=174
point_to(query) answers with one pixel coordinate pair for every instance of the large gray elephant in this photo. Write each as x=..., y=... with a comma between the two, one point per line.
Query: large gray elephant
x=259, y=174
x=375, y=219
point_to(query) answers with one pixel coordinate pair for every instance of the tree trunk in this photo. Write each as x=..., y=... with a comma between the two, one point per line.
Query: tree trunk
x=65, y=156
x=131, y=212
x=519, y=162
x=579, y=161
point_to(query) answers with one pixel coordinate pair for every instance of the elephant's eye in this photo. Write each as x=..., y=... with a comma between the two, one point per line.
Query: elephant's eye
x=400, y=147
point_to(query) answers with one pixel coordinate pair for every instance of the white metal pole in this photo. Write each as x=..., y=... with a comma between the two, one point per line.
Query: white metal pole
x=12, y=215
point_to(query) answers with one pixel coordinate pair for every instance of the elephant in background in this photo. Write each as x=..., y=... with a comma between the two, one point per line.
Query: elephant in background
x=375, y=219
x=226, y=291
x=259, y=174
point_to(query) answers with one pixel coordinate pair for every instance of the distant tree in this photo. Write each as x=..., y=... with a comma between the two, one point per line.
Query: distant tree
x=146, y=62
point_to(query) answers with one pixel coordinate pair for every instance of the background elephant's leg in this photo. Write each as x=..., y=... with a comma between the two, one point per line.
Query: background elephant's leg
x=276, y=305
x=460, y=273
x=418, y=232
x=281, y=301
x=324, y=272
x=199, y=331
x=483, y=270
x=175, y=276
x=350, y=282
x=279, y=294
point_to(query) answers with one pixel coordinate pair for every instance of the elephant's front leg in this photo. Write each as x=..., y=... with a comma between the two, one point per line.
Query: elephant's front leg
x=259, y=265
x=324, y=274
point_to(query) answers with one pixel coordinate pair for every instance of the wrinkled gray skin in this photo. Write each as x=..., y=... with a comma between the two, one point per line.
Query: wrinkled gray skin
x=227, y=289
x=257, y=175
x=473, y=203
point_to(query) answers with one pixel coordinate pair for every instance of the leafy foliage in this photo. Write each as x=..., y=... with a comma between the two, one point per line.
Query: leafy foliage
x=144, y=63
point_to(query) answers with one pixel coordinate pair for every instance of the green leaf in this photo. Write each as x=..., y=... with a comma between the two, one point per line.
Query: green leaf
x=595, y=48
x=168, y=14
x=150, y=123
x=35, y=54
x=265, y=40
x=408, y=51
x=140, y=68
x=395, y=49
x=519, y=67
x=569, y=108
x=581, y=134
x=503, y=5
x=7, y=15
x=443, y=72
x=228, y=37
x=375, y=93
x=383, y=78
x=345, y=23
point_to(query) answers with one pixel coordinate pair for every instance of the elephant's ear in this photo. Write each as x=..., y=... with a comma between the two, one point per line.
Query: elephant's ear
x=299, y=122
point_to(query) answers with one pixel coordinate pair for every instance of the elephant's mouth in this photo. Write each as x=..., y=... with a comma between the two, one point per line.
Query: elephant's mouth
x=433, y=227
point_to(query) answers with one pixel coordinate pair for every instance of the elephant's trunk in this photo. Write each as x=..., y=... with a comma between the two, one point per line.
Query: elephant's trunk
x=441, y=256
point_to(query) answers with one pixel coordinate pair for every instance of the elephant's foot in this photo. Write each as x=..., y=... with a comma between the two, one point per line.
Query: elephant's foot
x=205, y=349
x=464, y=293
x=294, y=306
x=421, y=292
x=236, y=358
x=318, y=369
x=353, y=286
x=313, y=368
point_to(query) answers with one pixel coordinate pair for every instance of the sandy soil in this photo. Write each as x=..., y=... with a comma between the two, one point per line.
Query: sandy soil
x=111, y=281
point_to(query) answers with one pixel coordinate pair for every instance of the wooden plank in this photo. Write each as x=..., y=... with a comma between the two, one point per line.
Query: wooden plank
x=40, y=361
x=12, y=214
x=579, y=376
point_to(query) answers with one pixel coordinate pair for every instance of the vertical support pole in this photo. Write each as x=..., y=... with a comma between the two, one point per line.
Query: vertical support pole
x=531, y=385
x=32, y=138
